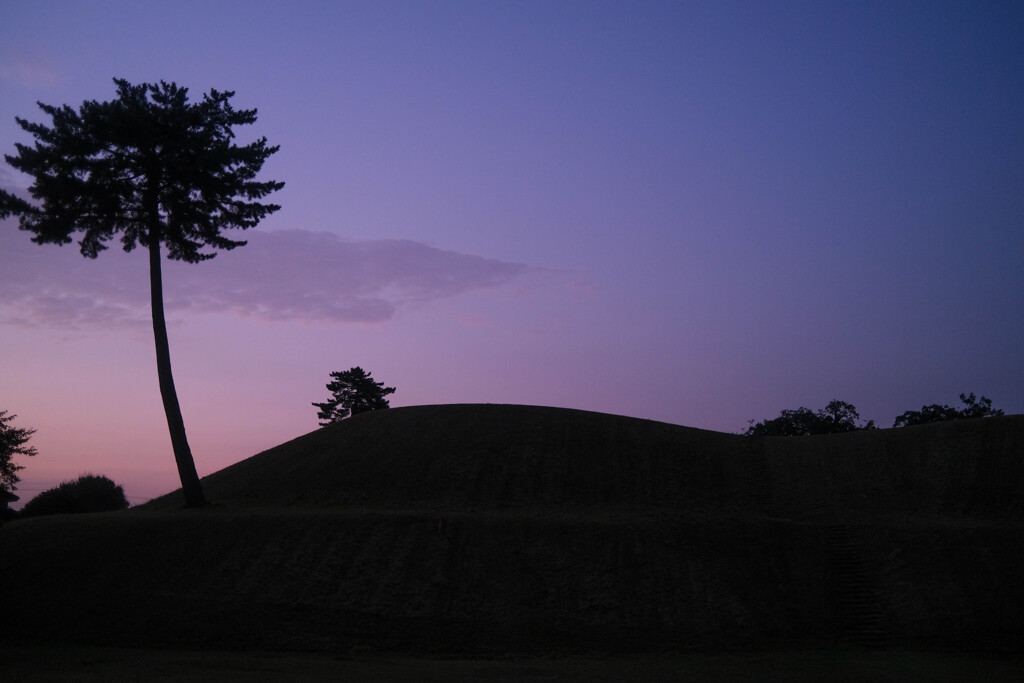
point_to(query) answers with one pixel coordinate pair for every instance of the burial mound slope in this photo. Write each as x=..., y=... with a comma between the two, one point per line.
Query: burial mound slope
x=485, y=529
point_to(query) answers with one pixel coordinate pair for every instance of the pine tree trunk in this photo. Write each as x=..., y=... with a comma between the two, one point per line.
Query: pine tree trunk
x=190, y=485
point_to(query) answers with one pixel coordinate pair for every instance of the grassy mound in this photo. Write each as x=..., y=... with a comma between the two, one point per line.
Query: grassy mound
x=480, y=529
x=474, y=457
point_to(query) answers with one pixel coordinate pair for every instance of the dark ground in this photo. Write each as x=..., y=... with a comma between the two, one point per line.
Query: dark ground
x=100, y=665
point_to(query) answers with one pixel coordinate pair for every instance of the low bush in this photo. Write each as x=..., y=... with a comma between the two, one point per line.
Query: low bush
x=88, y=493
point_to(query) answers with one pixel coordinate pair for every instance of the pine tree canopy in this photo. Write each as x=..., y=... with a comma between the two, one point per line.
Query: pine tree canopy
x=354, y=391
x=147, y=165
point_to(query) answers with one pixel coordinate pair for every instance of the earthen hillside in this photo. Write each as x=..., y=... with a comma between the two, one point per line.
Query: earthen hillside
x=486, y=529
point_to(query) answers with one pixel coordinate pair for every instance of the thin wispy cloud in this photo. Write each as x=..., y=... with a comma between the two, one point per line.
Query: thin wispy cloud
x=27, y=74
x=291, y=275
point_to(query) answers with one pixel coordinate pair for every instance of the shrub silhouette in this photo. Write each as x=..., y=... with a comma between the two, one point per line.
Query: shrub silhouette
x=88, y=493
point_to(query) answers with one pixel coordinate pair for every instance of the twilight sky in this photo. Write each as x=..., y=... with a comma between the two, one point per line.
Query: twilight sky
x=693, y=212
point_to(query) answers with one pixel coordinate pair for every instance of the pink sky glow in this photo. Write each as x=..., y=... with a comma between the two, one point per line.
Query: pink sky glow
x=693, y=212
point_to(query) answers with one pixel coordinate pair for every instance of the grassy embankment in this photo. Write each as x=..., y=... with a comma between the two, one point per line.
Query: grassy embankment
x=479, y=530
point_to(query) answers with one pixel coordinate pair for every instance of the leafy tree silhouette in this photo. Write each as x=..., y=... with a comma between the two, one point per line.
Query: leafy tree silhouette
x=835, y=418
x=354, y=392
x=154, y=169
x=973, y=407
x=12, y=443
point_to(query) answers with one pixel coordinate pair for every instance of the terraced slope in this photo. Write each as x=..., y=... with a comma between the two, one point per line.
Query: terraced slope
x=481, y=529
x=474, y=457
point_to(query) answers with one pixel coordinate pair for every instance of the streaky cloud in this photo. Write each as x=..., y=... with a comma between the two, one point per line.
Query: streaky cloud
x=287, y=275
x=27, y=74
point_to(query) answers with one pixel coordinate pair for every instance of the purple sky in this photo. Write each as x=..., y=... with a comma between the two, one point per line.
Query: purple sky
x=693, y=212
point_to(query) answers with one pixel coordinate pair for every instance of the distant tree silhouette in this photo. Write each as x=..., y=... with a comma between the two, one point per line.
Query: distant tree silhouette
x=88, y=493
x=153, y=169
x=353, y=392
x=973, y=407
x=12, y=443
x=835, y=418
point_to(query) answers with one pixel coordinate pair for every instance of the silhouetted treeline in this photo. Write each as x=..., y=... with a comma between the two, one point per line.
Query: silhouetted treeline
x=835, y=418
x=839, y=416
x=973, y=407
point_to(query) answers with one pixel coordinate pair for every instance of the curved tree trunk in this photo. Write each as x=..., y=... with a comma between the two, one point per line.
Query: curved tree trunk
x=190, y=485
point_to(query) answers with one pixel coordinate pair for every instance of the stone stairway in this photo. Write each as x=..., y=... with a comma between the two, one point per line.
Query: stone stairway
x=855, y=587
x=761, y=489
x=853, y=577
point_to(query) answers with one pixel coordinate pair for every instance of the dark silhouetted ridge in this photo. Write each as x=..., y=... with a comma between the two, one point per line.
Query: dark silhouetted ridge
x=483, y=456
x=491, y=529
x=489, y=456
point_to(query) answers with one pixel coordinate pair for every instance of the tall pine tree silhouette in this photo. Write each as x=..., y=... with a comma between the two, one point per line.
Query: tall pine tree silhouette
x=152, y=169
